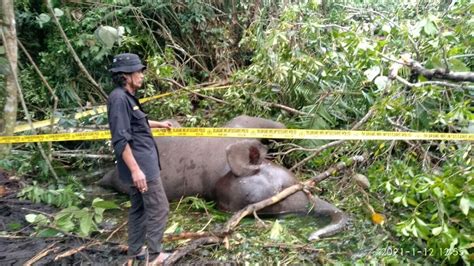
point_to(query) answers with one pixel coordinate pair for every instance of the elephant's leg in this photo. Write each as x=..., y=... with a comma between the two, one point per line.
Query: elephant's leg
x=338, y=219
x=112, y=180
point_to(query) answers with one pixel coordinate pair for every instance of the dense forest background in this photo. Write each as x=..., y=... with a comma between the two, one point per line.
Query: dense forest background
x=367, y=65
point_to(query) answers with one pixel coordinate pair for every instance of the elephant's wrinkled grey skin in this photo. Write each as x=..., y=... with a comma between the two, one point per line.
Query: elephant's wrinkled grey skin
x=199, y=166
x=253, y=179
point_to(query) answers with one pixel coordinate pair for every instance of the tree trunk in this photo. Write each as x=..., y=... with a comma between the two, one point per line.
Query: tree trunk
x=8, y=35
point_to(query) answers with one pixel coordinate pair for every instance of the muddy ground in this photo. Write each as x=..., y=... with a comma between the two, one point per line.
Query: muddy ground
x=19, y=246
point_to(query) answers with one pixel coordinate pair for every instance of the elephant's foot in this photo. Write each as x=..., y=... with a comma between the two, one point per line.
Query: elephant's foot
x=338, y=219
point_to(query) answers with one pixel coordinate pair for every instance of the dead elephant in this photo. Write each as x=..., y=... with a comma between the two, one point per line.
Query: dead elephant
x=234, y=173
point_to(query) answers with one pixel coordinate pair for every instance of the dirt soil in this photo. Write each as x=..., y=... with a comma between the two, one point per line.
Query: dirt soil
x=19, y=246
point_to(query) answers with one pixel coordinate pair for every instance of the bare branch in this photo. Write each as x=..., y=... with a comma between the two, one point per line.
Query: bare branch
x=283, y=107
x=431, y=83
x=181, y=252
x=440, y=73
x=41, y=254
x=194, y=92
x=395, y=124
x=74, y=55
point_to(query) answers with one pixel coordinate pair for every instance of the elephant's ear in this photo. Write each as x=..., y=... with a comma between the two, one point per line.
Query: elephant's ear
x=245, y=157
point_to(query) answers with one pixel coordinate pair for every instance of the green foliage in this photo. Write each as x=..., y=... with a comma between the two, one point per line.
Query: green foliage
x=72, y=219
x=61, y=197
x=20, y=163
x=433, y=206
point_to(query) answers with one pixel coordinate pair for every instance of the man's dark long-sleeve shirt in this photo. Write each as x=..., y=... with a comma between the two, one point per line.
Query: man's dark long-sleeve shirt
x=129, y=125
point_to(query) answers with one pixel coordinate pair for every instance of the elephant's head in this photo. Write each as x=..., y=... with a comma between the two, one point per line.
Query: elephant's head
x=252, y=179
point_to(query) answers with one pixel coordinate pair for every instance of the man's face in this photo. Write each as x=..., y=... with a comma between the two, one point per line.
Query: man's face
x=135, y=80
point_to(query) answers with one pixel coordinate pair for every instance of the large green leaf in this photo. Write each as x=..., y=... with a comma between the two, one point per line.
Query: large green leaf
x=465, y=205
x=58, y=12
x=430, y=28
x=381, y=82
x=372, y=72
x=107, y=35
x=86, y=225
x=65, y=223
x=104, y=204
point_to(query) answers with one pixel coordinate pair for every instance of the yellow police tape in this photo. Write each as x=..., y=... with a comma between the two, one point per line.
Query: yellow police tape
x=250, y=133
x=102, y=109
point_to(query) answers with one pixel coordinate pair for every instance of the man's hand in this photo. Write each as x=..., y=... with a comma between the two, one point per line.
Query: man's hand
x=156, y=124
x=139, y=180
x=165, y=124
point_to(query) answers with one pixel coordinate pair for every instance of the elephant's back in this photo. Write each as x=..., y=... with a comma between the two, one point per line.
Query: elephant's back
x=191, y=166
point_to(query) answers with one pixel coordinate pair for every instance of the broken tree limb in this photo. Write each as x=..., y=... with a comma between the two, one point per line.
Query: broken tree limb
x=440, y=73
x=405, y=60
x=40, y=255
x=306, y=248
x=430, y=83
x=75, y=250
x=249, y=209
x=181, y=252
x=191, y=235
x=194, y=92
x=283, y=107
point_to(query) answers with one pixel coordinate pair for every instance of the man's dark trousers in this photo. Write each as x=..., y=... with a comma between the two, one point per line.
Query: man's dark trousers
x=147, y=217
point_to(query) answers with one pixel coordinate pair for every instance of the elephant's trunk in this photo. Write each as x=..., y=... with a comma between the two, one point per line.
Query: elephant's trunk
x=338, y=219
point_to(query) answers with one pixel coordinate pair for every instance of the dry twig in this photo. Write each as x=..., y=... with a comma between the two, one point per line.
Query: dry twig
x=41, y=254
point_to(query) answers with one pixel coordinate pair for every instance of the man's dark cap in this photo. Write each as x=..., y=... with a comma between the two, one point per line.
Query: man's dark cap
x=126, y=63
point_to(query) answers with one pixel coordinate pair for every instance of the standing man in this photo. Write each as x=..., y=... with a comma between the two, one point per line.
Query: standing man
x=137, y=160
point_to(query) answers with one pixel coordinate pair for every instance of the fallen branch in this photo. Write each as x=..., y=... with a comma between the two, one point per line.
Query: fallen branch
x=430, y=83
x=283, y=107
x=191, y=235
x=181, y=252
x=74, y=251
x=440, y=73
x=405, y=60
x=82, y=155
x=194, y=92
x=40, y=255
